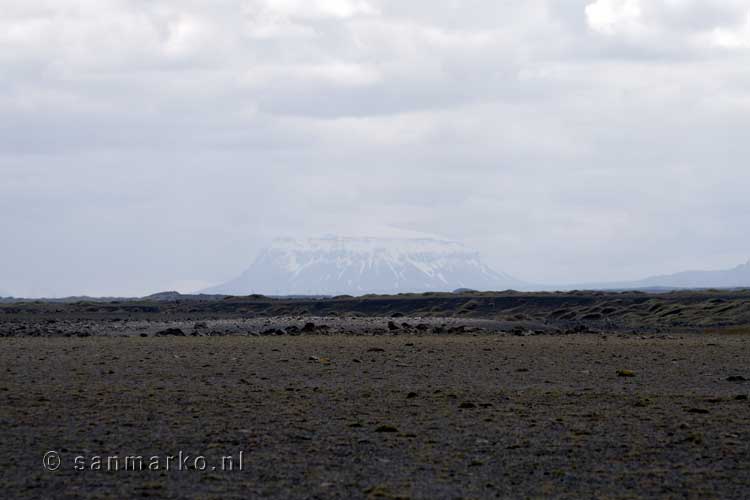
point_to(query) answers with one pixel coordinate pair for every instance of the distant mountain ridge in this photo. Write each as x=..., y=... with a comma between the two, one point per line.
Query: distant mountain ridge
x=737, y=277
x=357, y=266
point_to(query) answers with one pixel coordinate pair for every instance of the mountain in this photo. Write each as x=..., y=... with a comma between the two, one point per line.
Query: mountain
x=357, y=266
x=737, y=277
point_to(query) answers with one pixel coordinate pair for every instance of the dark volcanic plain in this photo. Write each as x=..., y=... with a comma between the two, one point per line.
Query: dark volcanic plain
x=581, y=395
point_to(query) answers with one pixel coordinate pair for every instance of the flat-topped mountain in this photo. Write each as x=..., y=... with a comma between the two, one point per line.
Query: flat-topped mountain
x=357, y=266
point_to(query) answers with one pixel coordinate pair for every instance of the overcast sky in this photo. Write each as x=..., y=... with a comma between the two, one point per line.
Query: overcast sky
x=159, y=144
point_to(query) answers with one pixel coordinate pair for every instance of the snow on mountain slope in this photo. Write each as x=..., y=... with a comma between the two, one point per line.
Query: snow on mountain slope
x=356, y=266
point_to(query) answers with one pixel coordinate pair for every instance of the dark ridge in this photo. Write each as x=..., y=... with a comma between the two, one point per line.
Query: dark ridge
x=600, y=310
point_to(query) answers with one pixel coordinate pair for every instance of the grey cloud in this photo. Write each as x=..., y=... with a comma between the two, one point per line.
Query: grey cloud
x=146, y=146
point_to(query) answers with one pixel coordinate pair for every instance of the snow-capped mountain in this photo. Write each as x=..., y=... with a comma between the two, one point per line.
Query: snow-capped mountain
x=356, y=266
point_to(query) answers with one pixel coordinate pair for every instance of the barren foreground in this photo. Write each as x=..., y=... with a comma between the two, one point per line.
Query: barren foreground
x=384, y=416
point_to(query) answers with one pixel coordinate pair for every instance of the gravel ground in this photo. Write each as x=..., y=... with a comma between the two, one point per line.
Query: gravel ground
x=276, y=326
x=408, y=416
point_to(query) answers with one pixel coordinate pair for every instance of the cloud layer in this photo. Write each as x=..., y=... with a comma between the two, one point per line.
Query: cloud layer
x=152, y=145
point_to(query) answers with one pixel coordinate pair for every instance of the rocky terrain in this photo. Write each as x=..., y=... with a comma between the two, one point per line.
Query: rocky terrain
x=265, y=327
x=491, y=312
x=381, y=417
x=422, y=396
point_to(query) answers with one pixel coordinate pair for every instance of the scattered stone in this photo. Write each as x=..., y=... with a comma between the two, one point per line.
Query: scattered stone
x=698, y=411
x=322, y=361
x=170, y=332
x=386, y=428
x=642, y=403
x=694, y=437
x=308, y=328
x=580, y=329
x=378, y=491
x=520, y=331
